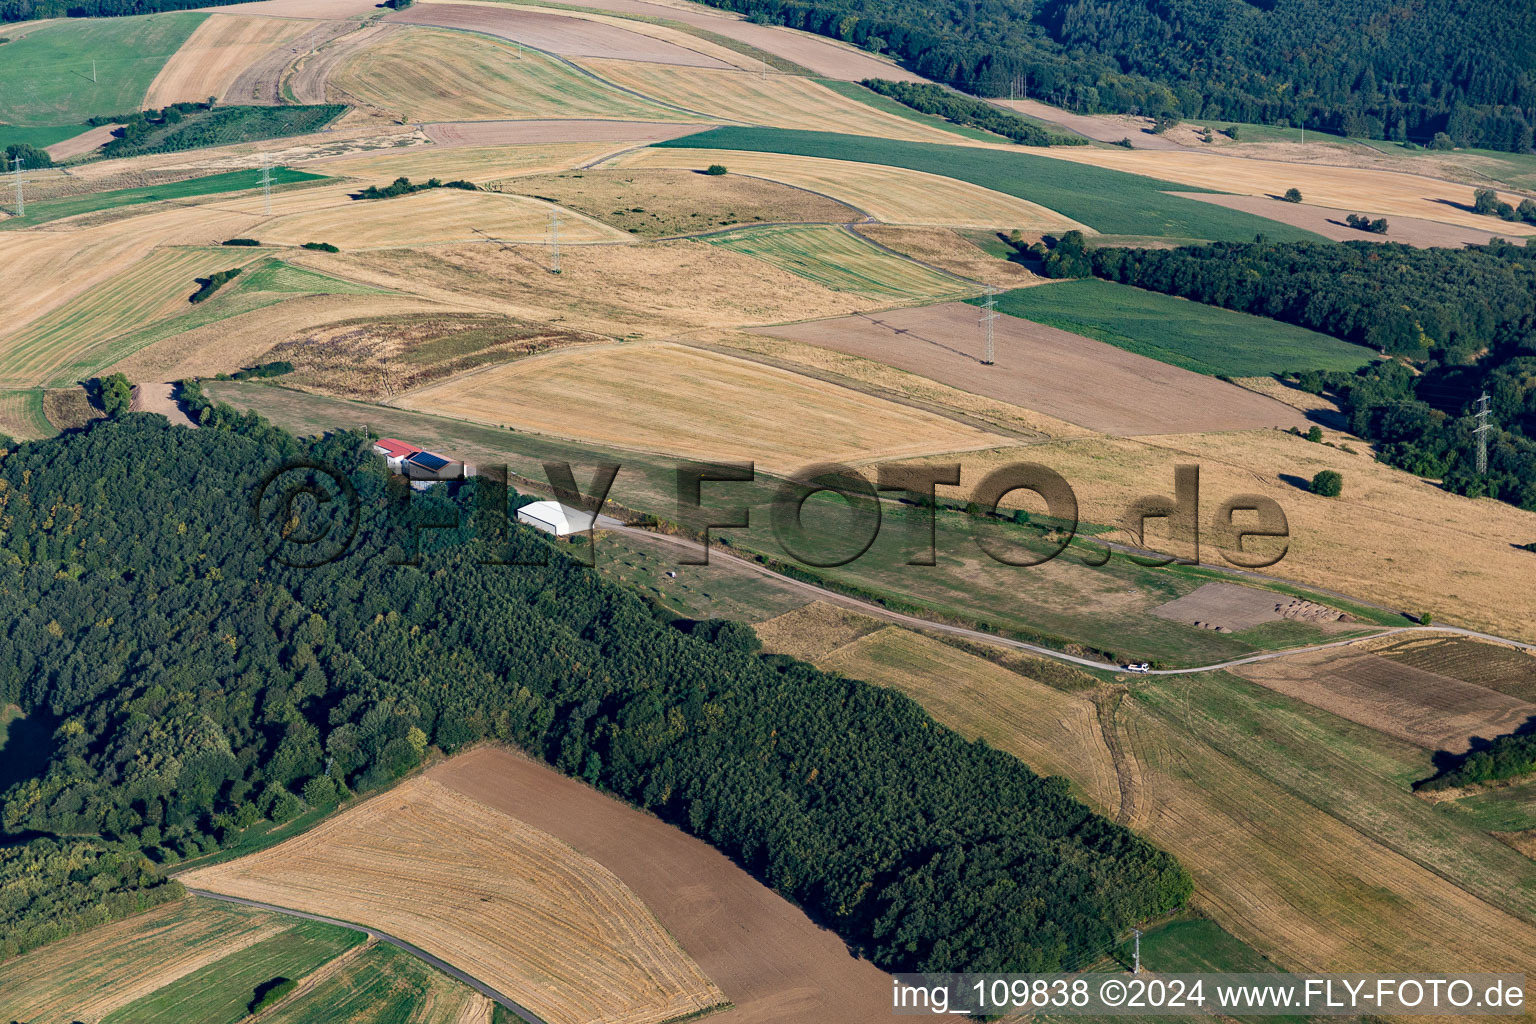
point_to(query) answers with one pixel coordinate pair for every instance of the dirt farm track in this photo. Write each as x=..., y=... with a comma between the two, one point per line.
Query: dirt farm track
x=772, y=962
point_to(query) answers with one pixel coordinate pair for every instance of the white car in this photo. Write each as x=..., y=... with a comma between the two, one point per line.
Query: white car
x=1139, y=666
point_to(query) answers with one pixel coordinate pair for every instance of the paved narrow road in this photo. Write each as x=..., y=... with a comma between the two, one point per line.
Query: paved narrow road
x=871, y=608
x=373, y=933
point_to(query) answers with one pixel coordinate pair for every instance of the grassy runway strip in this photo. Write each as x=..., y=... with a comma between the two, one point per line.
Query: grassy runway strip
x=835, y=258
x=1111, y=202
x=229, y=181
x=1205, y=339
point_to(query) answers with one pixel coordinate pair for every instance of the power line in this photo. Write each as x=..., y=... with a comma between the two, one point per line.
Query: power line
x=266, y=182
x=988, y=320
x=554, y=240
x=1482, y=435
x=21, y=201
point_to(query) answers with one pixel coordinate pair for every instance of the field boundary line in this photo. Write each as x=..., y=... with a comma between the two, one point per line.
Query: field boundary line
x=373, y=933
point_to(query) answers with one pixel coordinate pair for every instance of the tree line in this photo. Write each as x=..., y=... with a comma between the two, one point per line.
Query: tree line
x=973, y=113
x=26, y=10
x=201, y=686
x=1456, y=322
x=1368, y=68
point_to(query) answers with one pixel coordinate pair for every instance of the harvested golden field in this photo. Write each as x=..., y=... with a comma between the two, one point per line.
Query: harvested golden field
x=557, y=33
x=670, y=398
x=480, y=163
x=505, y=902
x=432, y=217
x=154, y=288
x=840, y=259
x=216, y=54
x=378, y=357
x=1505, y=669
x=894, y=195
x=883, y=379
x=426, y=74
x=657, y=289
x=1421, y=707
x=568, y=39
x=830, y=57
x=86, y=142
x=551, y=131
x=70, y=408
x=1063, y=375
x=950, y=251
x=815, y=630
x=1390, y=537
x=1357, y=189
x=1334, y=224
x=772, y=962
x=780, y=101
x=87, y=976
x=656, y=203
x=243, y=338
x=1299, y=884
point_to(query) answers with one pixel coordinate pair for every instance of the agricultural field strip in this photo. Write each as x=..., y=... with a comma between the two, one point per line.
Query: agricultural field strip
x=152, y=288
x=89, y=976
x=375, y=934
x=709, y=397
x=639, y=25
x=435, y=74
x=216, y=54
x=571, y=34
x=840, y=259
x=1250, y=868
x=893, y=195
x=605, y=957
x=748, y=99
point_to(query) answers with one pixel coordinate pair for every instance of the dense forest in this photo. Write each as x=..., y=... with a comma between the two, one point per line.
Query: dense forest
x=199, y=685
x=1374, y=68
x=25, y=10
x=1459, y=321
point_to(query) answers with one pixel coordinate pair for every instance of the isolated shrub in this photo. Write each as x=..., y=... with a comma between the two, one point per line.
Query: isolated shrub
x=321, y=246
x=1315, y=434
x=208, y=285
x=1293, y=195
x=1425, y=618
x=1441, y=141
x=116, y=395
x=1231, y=132
x=240, y=241
x=715, y=169
x=269, y=992
x=1329, y=483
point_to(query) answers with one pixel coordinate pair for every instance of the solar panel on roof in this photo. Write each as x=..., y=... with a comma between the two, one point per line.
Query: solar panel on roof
x=426, y=460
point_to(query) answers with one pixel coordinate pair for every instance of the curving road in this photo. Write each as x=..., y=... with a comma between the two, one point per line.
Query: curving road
x=373, y=933
x=871, y=608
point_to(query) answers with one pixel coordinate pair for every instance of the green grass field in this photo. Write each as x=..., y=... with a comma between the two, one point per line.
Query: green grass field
x=1206, y=339
x=1193, y=945
x=221, y=992
x=42, y=136
x=212, y=184
x=45, y=77
x=1109, y=201
x=263, y=284
x=382, y=985
x=22, y=417
x=839, y=260
x=1357, y=775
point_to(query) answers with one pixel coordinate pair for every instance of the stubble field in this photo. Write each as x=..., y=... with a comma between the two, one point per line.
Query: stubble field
x=507, y=903
x=692, y=403
x=894, y=195
x=215, y=55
